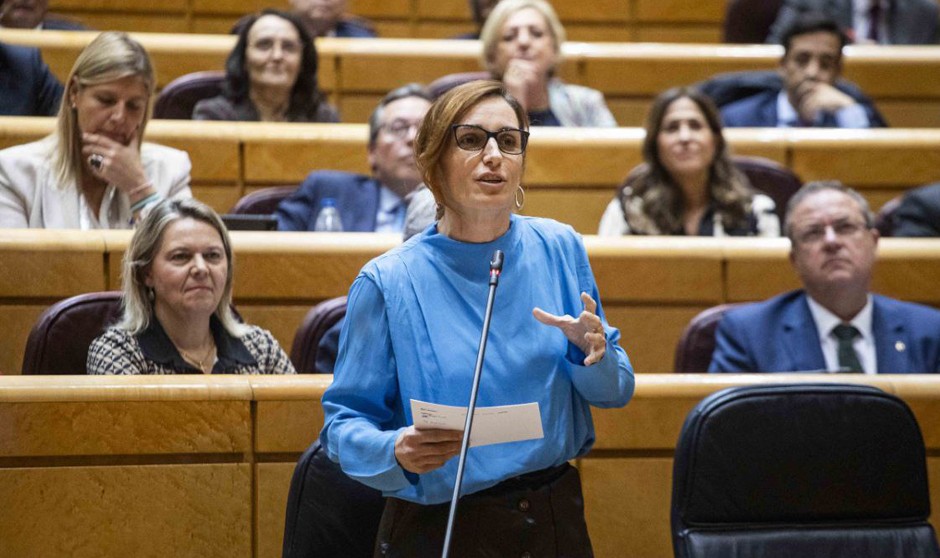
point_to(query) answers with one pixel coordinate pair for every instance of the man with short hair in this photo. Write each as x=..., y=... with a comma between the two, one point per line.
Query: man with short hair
x=834, y=323
x=374, y=203
x=33, y=14
x=884, y=22
x=810, y=95
x=327, y=18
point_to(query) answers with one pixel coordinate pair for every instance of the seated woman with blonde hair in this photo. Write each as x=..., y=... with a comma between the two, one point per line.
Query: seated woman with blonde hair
x=522, y=42
x=94, y=171
x=689, y=185
x=177, y=283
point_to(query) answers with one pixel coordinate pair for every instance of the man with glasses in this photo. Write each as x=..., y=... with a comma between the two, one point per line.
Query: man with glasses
x=834, y=323
x=376, y=203
x=811, y=94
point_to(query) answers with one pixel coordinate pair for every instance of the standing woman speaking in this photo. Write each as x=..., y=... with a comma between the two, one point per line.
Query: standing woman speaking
x=412, y=329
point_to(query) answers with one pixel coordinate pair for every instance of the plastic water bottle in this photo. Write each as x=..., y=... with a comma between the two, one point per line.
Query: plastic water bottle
x=328, y=218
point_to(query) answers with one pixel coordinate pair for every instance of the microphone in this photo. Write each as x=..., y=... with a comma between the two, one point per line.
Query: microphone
x=496, y=267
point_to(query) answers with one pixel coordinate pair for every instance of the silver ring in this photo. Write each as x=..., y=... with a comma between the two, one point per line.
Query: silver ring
x=96, y=161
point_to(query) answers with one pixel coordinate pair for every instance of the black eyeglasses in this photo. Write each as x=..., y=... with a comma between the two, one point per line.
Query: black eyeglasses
x=510, y=141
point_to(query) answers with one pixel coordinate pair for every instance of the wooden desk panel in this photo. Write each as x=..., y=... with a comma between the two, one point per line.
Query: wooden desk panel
x=184, y=511
x=72, y=502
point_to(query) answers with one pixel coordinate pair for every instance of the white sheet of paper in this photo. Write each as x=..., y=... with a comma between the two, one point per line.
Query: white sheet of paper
x=491, y=425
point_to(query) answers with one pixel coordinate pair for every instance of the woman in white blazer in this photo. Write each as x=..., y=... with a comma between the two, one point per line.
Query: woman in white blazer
x=94, y=172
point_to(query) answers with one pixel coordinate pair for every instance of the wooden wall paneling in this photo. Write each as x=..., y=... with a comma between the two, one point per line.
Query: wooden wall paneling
x=16, y=321
x=679, y=10
x=682, y=33
x=894, y=158
x=401, y=63
x=186, y=510
x=382, y=8
x=581, y=207
x=637, y=69
x=637, y=270
x=757, y=269
x=910, y=273
x=304, y=266
x=649, y=333
x=282, y=320
x=286, y=154
x=272, y=488
x=910, y=113
x=163, y=22
x=62, y=264
x=624, y=505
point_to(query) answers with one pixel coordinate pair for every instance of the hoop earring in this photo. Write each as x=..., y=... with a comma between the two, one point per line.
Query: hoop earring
x=520, y=202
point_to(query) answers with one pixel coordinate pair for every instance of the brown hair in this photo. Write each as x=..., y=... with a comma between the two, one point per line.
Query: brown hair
x=435, y=138
x=652, y=200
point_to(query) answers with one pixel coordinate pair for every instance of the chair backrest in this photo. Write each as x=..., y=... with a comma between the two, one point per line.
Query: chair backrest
x=444, y=84
x=59, y=341
x=697, y=343
x=178, y=98
x=263, y=201
x=771, y=178
x=329, y=515
x=317, y=322
x=801, y=470
x=749, y=21
x=884, y=219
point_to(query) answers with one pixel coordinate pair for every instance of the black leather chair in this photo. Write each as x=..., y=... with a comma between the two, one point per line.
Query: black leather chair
x=329, y=515
x=779, y=471
x=884, y=219
x=444, y=84
x=59, y=340
x=316, y=323
x=695, y=347
x=180, y=96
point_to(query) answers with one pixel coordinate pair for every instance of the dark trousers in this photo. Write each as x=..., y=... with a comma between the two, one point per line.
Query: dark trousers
x=537, y=515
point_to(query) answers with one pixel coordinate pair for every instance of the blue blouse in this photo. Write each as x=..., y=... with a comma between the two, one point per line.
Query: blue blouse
x=412, y=332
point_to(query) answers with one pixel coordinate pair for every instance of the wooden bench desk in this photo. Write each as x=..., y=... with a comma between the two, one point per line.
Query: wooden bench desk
x=629, y=74
x=201, y=466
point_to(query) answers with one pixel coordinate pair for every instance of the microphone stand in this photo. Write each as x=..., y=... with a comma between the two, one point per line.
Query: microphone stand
x=496, y=267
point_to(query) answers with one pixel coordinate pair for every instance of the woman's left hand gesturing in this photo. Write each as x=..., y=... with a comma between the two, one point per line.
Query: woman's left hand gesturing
x=586, y=331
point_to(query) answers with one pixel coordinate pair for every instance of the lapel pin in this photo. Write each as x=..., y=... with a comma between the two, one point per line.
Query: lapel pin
x=899, y=346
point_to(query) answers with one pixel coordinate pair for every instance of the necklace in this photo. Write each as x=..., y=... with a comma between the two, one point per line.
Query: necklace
x=201, y=362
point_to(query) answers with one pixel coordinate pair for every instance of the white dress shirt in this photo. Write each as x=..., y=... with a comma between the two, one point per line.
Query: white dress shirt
x=864, y=344
x=390, y=215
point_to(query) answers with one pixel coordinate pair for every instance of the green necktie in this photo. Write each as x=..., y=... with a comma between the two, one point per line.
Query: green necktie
x=848, y=358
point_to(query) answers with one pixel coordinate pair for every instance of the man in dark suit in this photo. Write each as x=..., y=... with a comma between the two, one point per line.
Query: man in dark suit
x=375, y=203
x=810, y=95
x=27, y=87
x=328, y=18
x=887, y=22
x=919, y=213
x=834, y=323
x=33, y=14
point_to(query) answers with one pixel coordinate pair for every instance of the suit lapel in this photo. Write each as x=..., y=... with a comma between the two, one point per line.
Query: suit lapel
x=892, y=346
x=801, y=338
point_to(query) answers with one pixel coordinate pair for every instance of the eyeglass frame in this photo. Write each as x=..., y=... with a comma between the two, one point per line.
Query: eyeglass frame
x=400, y=133
x=489, y=134
x=815, y=234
